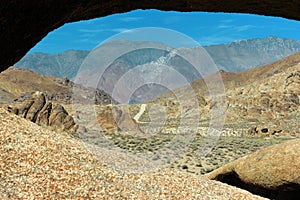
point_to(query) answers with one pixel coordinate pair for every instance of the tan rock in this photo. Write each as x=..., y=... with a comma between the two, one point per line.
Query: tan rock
x=60, y=119
x=38, y=110
x=38, y=101
x=43, y=117
x=273, y=171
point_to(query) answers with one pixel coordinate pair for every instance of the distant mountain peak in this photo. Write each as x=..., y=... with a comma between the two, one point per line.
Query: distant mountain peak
x=232, y=57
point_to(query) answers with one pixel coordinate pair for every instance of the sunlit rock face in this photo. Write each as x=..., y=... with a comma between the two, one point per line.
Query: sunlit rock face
x=24, y=23
x=254, y=173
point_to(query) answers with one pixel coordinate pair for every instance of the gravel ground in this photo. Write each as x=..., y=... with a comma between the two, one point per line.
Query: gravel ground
x=36, y=163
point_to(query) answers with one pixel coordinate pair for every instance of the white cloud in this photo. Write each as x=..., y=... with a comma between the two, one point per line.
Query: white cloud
x=120, y=30
x=130, y=19
x=227, y=20
x=237, y=28
x=215, y=39
x=223, y=26
x=229, y=24
x=243, y=28
x=91, y=30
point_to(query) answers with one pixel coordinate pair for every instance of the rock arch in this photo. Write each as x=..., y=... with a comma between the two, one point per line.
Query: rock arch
x=25, y=23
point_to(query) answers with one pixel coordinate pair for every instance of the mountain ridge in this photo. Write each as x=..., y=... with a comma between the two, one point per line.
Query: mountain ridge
x=141, y=63
x=64, y=64
x=233, y=57
x=251, y=53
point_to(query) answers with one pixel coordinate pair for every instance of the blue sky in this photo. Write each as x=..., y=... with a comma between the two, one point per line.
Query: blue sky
x=205, y=28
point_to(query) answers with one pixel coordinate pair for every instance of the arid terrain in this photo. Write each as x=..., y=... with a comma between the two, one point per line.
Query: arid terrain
x=38, y=163
x=17, y=85
x=262, y=109
x=63, y=140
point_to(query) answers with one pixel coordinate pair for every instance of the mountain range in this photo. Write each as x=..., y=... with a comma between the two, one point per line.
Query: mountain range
x=261, y=108
x=264, y=96
x=65, y=64
x=246, y=54
x=154, y=68
x=232, y=57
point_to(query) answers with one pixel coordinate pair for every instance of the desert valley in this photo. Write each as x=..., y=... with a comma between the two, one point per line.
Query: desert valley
x=62, y=140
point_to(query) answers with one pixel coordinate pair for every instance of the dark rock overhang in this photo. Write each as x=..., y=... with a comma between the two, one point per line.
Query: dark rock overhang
x=24, y=23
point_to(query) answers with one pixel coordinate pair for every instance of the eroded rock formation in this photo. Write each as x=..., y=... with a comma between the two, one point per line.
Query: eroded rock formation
x=24, y=23
x=38, y=110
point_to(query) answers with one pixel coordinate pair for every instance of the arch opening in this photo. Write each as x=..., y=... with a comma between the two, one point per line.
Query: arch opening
x=25, y=23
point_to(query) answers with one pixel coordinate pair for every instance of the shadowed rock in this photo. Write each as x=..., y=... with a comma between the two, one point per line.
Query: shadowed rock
x=25, y=23
x=37, y=102
x=60, y=119
x=43, y=117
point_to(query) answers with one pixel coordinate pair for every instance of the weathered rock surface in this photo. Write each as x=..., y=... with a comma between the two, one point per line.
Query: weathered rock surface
x=273, y=172
x=38, y=110
x=60, y=119
x=36, y=102
x=112, y=118
x=43, y=117
x=24, y=23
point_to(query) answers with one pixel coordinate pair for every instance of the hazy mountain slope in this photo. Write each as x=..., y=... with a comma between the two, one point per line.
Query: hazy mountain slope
x=255, y=75
x=148, y=60
x=246, y=54
x=19, y=81
x=232, y=57
x=64, y=64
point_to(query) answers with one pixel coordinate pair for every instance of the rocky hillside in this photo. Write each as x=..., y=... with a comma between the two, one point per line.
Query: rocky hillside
x=261, y=103
x=19, y=84
x=45, y=113
x=266, y=97
x=261, y=109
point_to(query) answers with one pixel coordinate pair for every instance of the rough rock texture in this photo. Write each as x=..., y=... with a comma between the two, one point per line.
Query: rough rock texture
x=112, y=118
x=273, y=172
x=38, y=110
x=24, y=23
x=43, y=117
x=37, y=102
x=59, y=118
x=40, y=164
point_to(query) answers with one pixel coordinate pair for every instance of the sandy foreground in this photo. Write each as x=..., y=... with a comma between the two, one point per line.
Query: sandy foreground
x=36, y=163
